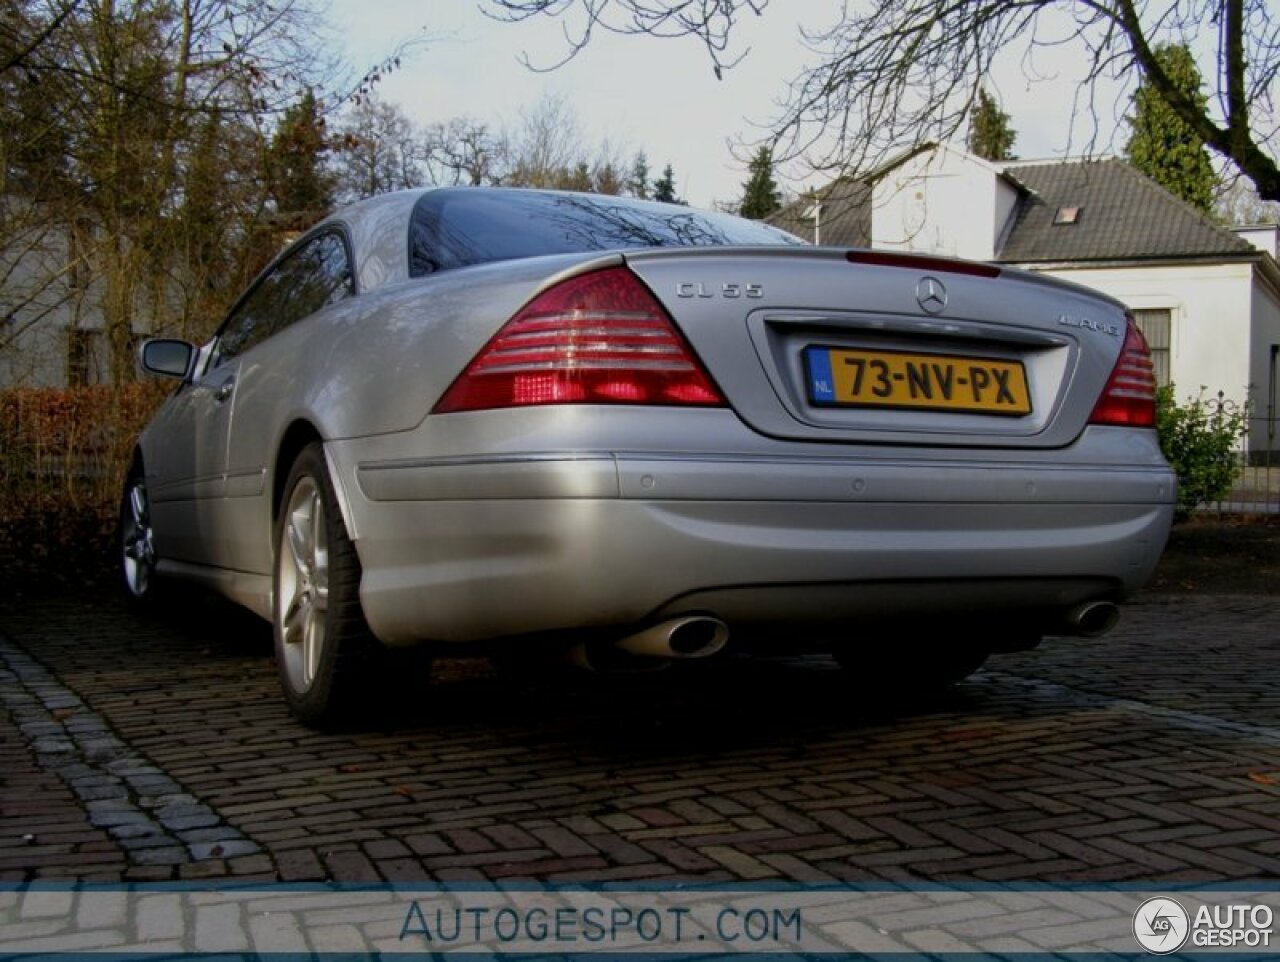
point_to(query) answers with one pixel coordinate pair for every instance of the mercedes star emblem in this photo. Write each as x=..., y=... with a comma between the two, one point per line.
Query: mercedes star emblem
x=931, y=295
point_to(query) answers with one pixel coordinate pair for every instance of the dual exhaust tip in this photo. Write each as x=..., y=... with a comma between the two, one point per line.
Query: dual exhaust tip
x=701, y=636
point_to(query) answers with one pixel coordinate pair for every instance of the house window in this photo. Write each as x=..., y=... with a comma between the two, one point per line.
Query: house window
x=1065, y=216
x=80, y=357
x=1156, y=326
x=79, y=236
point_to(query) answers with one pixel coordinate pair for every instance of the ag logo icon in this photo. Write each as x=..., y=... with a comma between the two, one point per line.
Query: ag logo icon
x=1161, y=925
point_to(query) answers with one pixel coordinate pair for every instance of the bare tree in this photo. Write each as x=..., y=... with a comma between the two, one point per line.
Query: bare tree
x=545, y=144
x=1239, y=204
x=892, y=75
x=377, y=149
x=548, y=149
x=464, y=151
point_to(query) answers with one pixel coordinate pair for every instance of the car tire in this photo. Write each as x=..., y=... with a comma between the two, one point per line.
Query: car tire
x=135, y=542
x=325, y=652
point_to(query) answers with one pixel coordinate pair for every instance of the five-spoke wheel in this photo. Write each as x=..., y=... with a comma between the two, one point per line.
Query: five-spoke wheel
x=136, y=539
x=302, y=585
x=324, y=649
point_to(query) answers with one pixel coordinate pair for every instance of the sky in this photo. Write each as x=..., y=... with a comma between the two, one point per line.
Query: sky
x=641, y=93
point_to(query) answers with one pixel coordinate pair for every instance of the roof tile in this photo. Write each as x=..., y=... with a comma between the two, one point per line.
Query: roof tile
x=845, y=216
x=1124, y=215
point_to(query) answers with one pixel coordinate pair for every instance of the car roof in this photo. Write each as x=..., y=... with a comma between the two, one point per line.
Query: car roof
x=378, y=227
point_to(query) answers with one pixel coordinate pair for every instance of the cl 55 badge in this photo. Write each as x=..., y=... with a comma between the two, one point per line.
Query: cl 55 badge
x=1070, y=320
x=699, y=289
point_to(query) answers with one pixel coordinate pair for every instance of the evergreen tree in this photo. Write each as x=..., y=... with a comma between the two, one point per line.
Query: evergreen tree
x=577, y=177
x=760, y=196
x=990, y=135
x=664, y=188
x=1163, y=146
x=606, y=178
x=638, y=181
x=295, y=161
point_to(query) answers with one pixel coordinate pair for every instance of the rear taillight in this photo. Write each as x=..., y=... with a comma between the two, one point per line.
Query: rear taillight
x=599, y=338
x=1129, y=399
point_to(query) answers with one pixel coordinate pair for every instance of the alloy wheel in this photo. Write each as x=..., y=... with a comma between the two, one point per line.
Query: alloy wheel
x=302, y=585
x=137, y=540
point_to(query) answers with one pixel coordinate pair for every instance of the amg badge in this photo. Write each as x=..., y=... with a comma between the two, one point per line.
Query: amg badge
x=1070, y=320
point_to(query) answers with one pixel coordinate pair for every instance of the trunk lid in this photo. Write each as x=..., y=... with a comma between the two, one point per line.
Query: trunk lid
x=868, y=346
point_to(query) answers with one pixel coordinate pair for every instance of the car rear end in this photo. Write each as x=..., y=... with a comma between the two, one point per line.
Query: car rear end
x=845, y=441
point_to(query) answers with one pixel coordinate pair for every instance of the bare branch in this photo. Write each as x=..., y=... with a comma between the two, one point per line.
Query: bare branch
x=891, y=76
x=27, y=47
x=710, y=22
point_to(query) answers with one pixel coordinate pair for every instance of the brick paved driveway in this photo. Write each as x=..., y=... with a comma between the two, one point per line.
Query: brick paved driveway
x=160, y=750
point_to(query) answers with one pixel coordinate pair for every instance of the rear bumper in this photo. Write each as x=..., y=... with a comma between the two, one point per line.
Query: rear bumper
x=463, y=549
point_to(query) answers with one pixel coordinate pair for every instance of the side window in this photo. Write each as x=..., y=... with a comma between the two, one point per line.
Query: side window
x=243, y=329
x=315, y=275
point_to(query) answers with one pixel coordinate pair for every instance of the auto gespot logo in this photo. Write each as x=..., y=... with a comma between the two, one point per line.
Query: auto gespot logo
x=1162, y=926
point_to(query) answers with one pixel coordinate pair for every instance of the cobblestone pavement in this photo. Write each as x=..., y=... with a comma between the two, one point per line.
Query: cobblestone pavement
x=159, y=749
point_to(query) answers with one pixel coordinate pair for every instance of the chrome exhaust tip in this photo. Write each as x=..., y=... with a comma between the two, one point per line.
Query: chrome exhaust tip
x=693, y=636
x=1093, y=619
x=654, y=648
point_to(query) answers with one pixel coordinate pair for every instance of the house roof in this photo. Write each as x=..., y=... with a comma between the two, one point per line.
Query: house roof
x=1123, y=215
x=845, y=217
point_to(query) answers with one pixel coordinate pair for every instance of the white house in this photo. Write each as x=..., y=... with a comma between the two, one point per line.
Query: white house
x=1207, y=298
x=50, y=334
x=51, y=293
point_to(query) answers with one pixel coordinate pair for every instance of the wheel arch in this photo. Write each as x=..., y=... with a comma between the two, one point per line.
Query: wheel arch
x=297, y=436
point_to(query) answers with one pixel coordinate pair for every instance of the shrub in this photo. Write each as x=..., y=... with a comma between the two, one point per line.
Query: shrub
x=63, y=456
x=1200, y=438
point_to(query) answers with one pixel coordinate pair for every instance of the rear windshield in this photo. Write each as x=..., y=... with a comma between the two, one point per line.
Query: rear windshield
x=458, y=227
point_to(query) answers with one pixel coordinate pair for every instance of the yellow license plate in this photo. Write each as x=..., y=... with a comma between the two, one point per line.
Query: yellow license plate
x=932, y=382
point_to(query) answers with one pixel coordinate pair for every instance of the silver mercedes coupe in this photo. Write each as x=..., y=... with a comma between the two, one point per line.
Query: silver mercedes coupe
x=478, y=420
